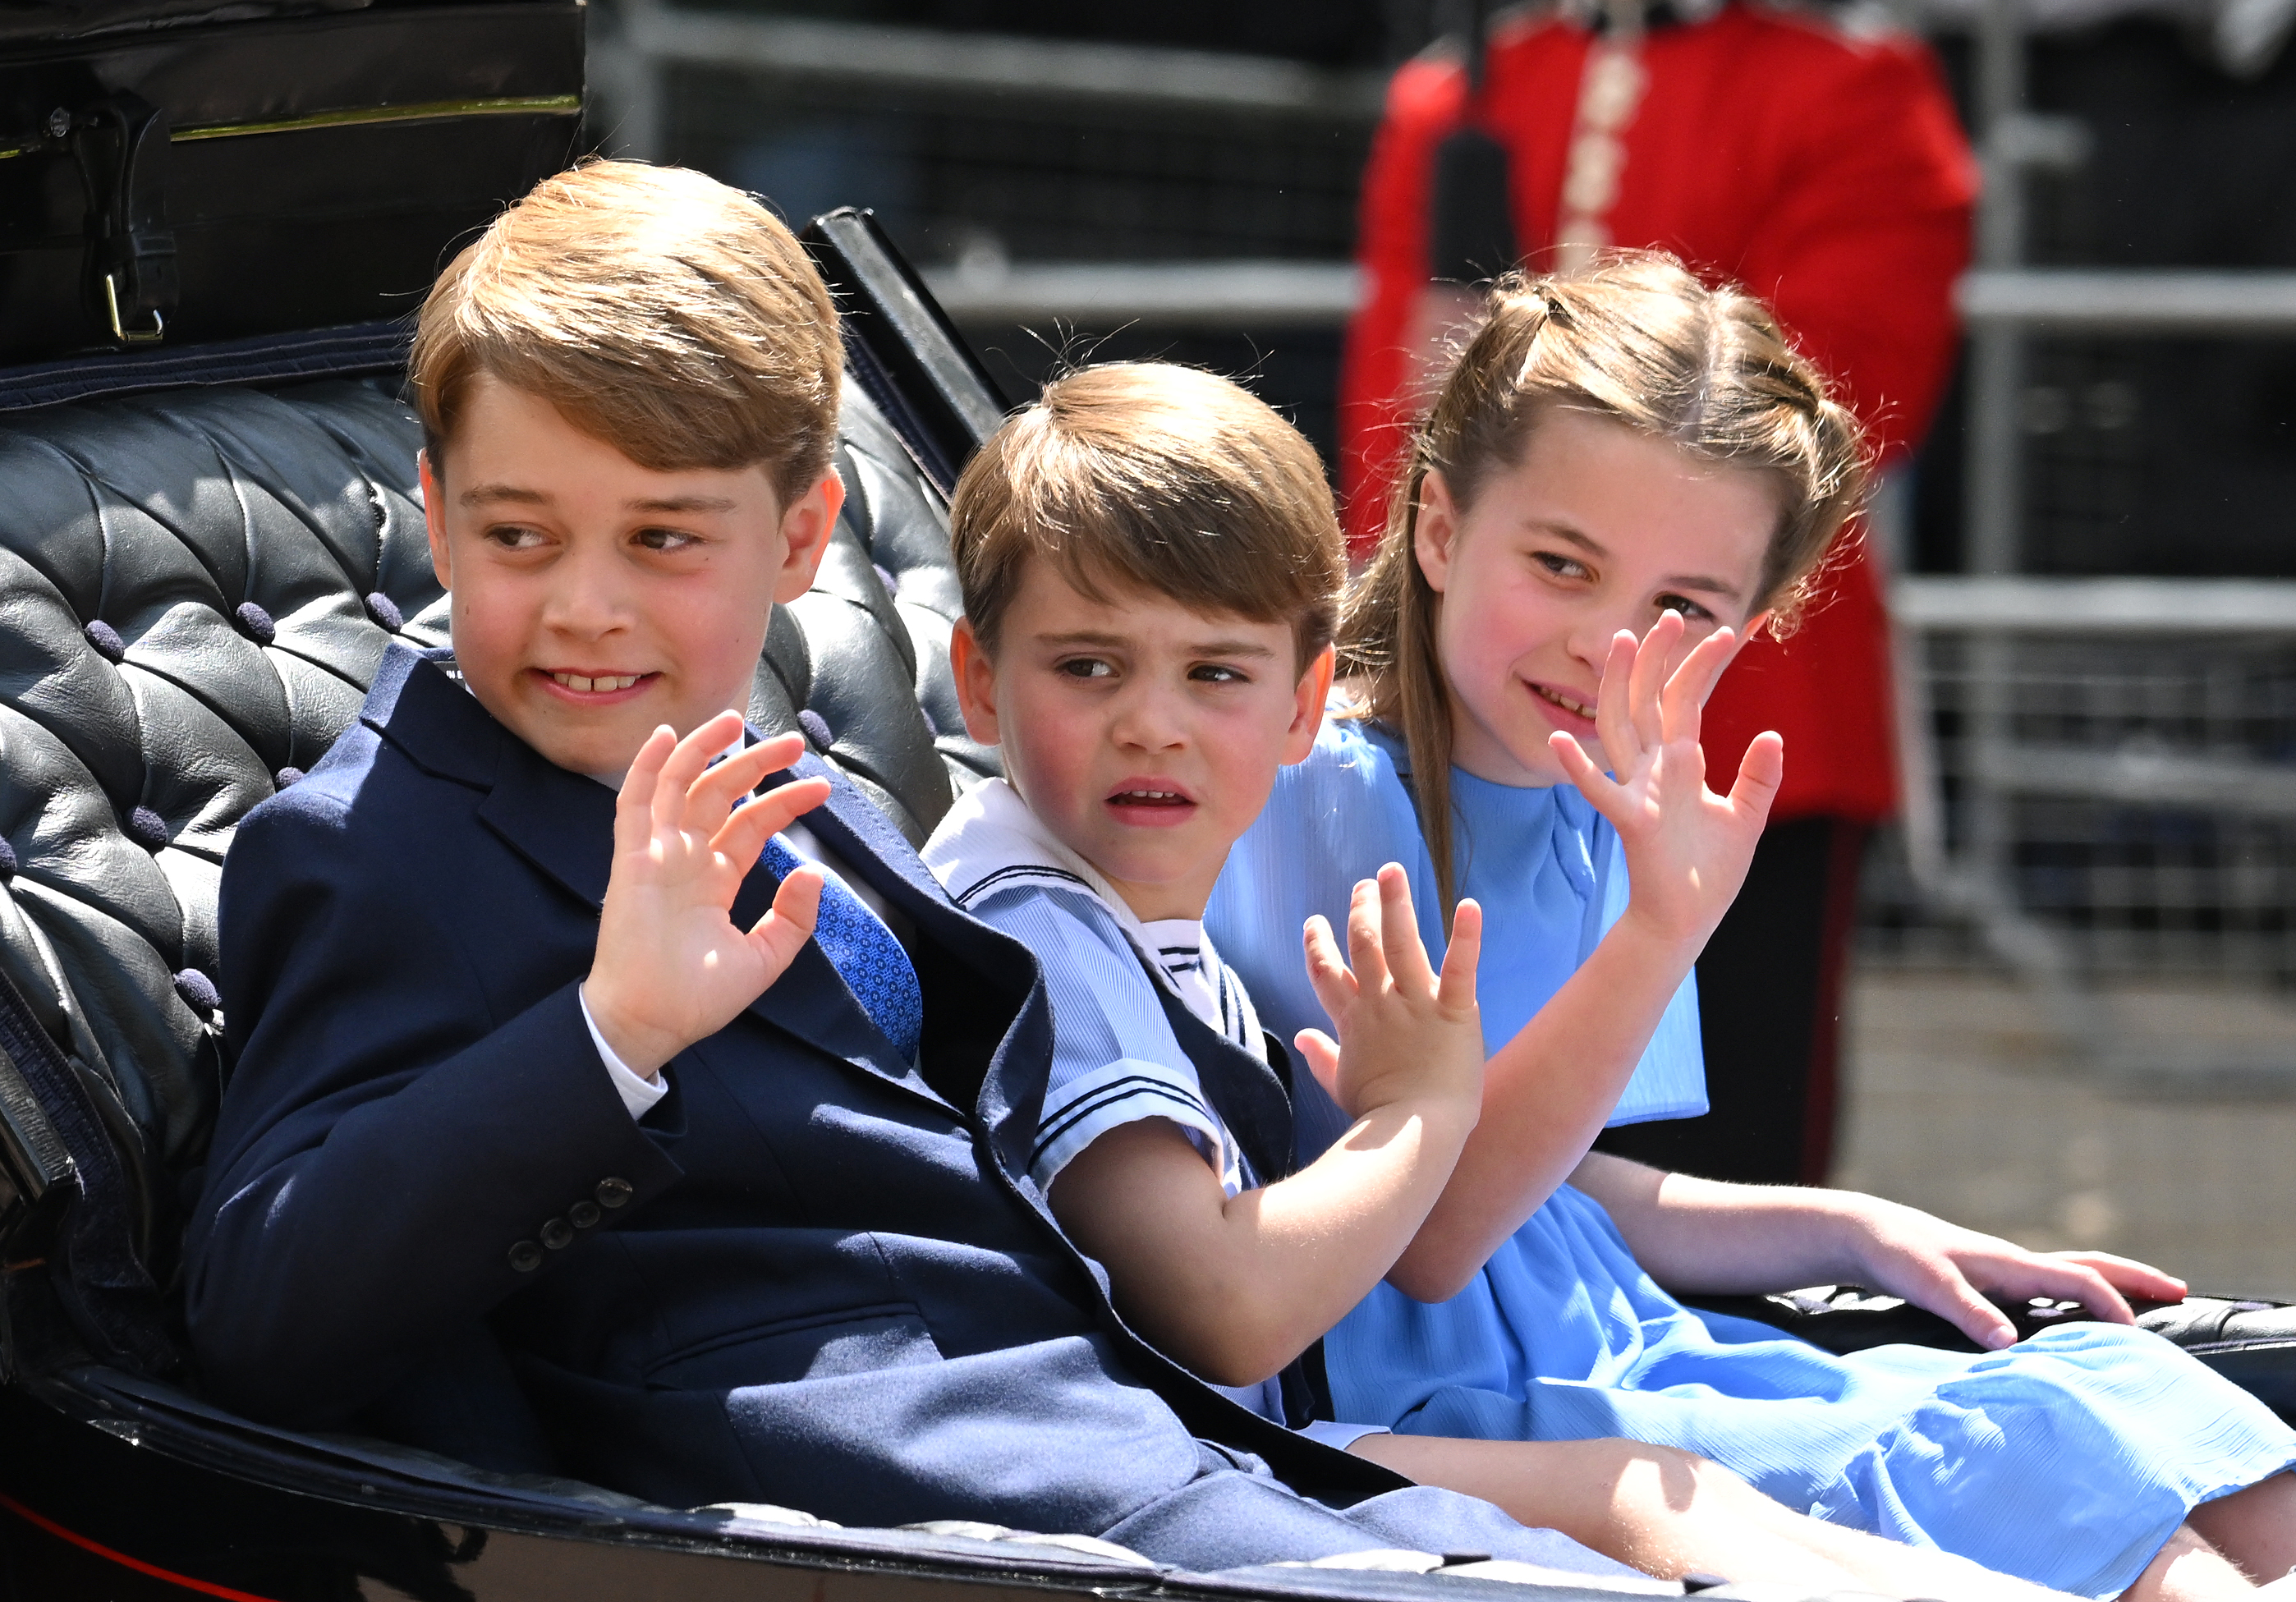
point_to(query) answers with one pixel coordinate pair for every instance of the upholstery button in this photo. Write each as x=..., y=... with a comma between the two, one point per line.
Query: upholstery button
x=816, y=729
x=585, y=1214
x=385, y=612
x=7, y=861
x=615, y=1193
x=199, y=992
x=255, y=622
x=286, y=777
x=525, y=1257
x=557, y=1235
x=147, y=828
x=106, y=640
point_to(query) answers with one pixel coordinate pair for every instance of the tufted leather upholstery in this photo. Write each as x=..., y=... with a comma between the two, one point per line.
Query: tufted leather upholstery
x=195, y=588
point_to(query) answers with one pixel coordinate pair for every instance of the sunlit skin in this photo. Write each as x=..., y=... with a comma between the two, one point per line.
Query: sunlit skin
x=566, y=559
x=1140, y=732
x=1596, y=529
x=611, y=615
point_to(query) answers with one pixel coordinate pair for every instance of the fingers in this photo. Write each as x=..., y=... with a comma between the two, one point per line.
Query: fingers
x=1400, y=941
x=1649, y=675
x=1761, y=772
x=723, y=785
x=783, y=931
x=1461, y=956
x=1579, y=769
x=1689, y=685
x=744, y=835
x=2067, y=1280
x=685, y=765
x=1957, y=1301
x=2131, y=1277
x=1614, y=704
x=633, y=807
x=1363, y=936
x=1321, y=1053
x=1327, y=970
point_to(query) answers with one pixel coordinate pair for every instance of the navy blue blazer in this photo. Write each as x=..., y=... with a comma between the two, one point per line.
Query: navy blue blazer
x=813, y=1275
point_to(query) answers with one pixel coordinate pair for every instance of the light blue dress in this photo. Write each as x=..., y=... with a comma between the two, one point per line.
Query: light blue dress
x=2067, y=1460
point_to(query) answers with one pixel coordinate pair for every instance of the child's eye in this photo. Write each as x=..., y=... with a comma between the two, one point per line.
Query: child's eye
x=1691, y=611
x=1086, y=667
x=1218, y=673
x=514, y=536
x=665, y=539
x=1559, y=565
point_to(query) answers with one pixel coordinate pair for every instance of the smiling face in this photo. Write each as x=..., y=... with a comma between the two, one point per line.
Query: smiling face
x=1146, y=735
x=596, y=600
x=1597, y=529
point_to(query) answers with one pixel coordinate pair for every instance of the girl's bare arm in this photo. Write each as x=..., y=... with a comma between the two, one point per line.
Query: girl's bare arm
x=1547, y=1091
x=1703, y=1235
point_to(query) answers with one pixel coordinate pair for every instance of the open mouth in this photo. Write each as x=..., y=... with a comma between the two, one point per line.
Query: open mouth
x=1555, y=698
x=1140, y=803
x=594, y=684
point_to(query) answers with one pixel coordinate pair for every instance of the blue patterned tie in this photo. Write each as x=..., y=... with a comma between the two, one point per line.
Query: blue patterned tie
x=864, y=954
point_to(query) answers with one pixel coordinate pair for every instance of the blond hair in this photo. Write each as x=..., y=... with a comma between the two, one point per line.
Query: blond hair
x=1636, y=339
x=660, y=311
x=1148, y=477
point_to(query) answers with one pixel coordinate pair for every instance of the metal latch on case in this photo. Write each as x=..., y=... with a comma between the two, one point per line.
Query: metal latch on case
x=121, y=145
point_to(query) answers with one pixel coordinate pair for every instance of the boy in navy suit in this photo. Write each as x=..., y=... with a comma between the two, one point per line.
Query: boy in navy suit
x=590, y=1116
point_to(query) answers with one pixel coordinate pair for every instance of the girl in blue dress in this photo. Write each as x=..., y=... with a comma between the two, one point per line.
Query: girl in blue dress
x=1625, y=474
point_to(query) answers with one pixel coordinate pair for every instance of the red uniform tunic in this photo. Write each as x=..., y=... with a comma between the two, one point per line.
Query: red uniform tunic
x=1823, y=169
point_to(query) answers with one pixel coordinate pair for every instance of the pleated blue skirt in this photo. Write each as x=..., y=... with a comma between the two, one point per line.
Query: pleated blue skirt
x=2066, y=1460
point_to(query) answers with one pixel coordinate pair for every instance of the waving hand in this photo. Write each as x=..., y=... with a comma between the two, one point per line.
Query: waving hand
x=672, y=967
x=1687, y=849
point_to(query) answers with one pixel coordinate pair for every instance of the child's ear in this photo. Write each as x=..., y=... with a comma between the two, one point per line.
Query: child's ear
x=1307, y=699
x=434, y=518
x=805, y=529
x=1434, y=530
x=1754, y=626
x=976, y=683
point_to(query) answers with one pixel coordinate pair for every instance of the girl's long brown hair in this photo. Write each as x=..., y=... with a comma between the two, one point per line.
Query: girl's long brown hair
x=1637, y=339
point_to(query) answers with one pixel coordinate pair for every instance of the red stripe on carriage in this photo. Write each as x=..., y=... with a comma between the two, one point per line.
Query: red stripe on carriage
x=123, y=1559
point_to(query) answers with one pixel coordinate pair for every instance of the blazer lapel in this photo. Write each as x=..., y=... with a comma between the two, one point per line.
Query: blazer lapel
x=560, y=821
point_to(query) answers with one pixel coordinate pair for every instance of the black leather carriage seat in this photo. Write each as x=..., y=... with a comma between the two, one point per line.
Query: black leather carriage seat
x=195, y=588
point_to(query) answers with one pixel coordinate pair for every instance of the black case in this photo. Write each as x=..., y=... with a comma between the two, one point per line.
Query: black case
x=175, y=178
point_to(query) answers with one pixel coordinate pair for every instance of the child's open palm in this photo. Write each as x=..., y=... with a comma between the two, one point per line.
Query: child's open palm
x=1405, y=1031
x=672, y=967
x=1687, y=849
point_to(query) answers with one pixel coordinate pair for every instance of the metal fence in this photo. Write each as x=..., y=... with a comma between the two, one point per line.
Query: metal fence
x=2101, y=779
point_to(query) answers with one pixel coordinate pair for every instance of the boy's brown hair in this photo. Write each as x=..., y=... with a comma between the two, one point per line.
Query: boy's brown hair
x=1151, y=477
x=671, y=318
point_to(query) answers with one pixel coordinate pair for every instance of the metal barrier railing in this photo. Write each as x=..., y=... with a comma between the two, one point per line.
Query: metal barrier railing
x=2099, y=776
x=641, y=40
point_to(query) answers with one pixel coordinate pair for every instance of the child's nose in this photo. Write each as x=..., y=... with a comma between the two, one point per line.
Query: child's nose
x=583, y=597
x=1150, y=718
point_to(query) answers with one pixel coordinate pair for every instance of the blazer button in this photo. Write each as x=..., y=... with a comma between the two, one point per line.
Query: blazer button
x=525, y=1257
x=557, y=1235
x=615, y=1193
x=585, y=1214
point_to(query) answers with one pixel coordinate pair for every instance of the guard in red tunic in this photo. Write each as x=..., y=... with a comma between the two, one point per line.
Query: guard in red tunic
x=1814, y=157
